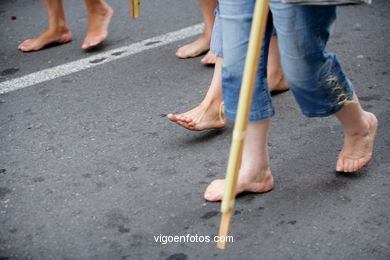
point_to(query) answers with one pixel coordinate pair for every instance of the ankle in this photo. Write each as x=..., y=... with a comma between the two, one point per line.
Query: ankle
x=360, y=129
x=252, y=173
x=206, y=37
x=208, y=103
x=274, y=78
x=59, y=28
x=99, y=8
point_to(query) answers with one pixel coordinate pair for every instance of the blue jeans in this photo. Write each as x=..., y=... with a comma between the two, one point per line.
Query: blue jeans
x=314, y=76
x=216, y=37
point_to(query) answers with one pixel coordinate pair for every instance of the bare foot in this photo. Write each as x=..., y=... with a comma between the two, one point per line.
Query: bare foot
x=202, y=117
x=194, y=49
x=357, y=150
x=99, y=20
x=47, y=37
x=209, y=58
x=256, y=184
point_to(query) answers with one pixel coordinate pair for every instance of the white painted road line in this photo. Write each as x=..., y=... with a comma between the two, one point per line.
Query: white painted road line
x=98, y=59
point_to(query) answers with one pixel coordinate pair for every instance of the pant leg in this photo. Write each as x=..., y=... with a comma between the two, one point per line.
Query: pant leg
x=216, y=37
x=314, y=76
x=236, y=19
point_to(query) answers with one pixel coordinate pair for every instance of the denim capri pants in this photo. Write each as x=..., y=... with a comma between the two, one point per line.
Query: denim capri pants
x=216, y=37
x=314, y=76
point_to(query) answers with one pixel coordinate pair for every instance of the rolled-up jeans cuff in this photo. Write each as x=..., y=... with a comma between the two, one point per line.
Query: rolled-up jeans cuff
x=253, y=116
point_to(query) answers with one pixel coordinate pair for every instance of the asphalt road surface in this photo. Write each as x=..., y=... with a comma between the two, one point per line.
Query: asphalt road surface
x=91, y=169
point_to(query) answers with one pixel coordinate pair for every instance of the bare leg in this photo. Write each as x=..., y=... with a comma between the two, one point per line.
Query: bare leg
x=100, y=14
x=359, y=135
x=276, y=81
x=57, y=32
x=255, y=174
x=202, y=44
x=207, y=114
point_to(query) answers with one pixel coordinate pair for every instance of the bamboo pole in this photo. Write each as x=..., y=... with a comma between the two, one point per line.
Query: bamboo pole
x=135, y=8
x=251, y=64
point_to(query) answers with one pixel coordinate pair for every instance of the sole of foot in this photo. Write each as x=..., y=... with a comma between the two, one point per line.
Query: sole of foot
x=98, y=29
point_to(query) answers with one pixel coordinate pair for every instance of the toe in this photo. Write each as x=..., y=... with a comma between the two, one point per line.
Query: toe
x=355, y=165
x=361, y=163
x=24, y=45
x=183, y=124
x=97, y=41
x=349, y=166
x=89, y=43
x=85, y=46
x=93, y=44
x=172, y=117
x=180, y=53
x=209, y=58
x=211, y=196
x=214, y=191
x=345, y=166
x=187, y=120
x=24, y=48
x=205, y=61
x=339, y=165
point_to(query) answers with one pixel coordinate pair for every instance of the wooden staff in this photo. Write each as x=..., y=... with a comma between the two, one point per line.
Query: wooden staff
x=135, y=8
x=251, y=64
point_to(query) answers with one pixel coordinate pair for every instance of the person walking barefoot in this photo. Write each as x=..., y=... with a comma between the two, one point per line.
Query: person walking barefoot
x=99, y=14
x=255, y=175
x=316, y=78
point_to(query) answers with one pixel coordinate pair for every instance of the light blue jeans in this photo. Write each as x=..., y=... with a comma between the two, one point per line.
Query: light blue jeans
x=314, y=76
x=216, y=37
